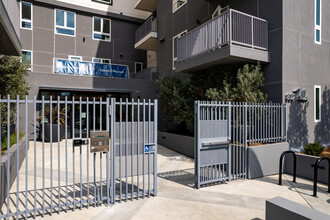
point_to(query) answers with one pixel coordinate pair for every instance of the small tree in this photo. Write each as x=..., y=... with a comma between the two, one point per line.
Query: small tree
x=246, y=88
x=12, y=82
x=218, y=84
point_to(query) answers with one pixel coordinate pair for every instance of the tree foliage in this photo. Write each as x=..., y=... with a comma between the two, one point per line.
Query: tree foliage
x=12, y=82
x=226, y=83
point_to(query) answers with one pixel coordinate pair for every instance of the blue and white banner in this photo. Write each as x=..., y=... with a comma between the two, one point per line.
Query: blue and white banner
x=90, y=69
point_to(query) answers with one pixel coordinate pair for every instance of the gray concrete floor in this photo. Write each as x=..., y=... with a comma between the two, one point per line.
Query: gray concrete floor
x=178, y=199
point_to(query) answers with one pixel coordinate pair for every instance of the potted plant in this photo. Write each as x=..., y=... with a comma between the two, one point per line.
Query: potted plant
x=306, y=160
x=51, y=122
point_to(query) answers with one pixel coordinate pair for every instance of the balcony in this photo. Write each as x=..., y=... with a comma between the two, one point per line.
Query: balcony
x=10, y=28
x=146, y=35
x=232, y=37
x=146, y=5
x=146, y=74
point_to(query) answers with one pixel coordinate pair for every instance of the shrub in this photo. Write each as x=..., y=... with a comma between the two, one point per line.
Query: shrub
x=314, y=149
x=12, y=141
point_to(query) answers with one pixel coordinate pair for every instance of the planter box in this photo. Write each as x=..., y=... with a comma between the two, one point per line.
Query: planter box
x=305, y=169
x=264, y=160
x=179, y=143
x=13, y=167
x=54, y=132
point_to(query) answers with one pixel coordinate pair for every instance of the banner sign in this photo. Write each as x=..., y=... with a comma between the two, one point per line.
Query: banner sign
x=90, y=69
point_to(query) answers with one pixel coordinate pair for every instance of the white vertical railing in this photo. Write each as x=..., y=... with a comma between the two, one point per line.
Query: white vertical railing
x=231, y=27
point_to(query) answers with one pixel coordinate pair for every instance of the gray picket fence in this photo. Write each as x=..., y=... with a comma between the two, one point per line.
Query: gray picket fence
x=223, y=131
x=56, y=174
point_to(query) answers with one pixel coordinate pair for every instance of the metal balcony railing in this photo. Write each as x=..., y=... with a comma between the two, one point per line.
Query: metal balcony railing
x=231, y=27
x=149, y=26
x=146, y=74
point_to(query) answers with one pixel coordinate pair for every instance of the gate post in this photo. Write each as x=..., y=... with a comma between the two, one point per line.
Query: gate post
x=196, y=148
x=229, y=144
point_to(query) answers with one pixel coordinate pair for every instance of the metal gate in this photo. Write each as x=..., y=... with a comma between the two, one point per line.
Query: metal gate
x=52, y=169
x=212, y=139
x=224, y=130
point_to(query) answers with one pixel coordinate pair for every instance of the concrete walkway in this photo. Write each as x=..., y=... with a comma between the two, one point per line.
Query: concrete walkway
x=177, y=199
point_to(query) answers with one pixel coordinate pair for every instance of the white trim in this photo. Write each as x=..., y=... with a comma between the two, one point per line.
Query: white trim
x=218, y=9
x=102, y=59
x=25, y=20
x=31, y=66
x=317, y=27
x=135, y=66
x=73, y=56
x=65, y=23
x=174, y=2
x=101, y=32
x=320, y=102
x=176, y=58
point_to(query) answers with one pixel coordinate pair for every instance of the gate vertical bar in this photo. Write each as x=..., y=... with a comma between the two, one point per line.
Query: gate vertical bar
x=245, y=139
x=59, y=151
x=43, y=155
x=73, y=156
x=120, y=146
x=230, y=146
x=87, y=152
x=101, y=177
x=51, y=151
x=112, y=152
x=80, y=152
x=149, y=141
x=108, y=155
x=156, y=142
x=132, y=152
x=138, y=150
x=66, y=153
x=144, y=142
x=26, y=155
x=8, y=154
x=35, y=153
x=126, y=150
x=17, y=155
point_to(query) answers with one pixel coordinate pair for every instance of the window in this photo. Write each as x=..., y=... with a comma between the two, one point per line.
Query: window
x=108, y=2
x=178, y=4
x=26, y=15
x=175, y=48
x=27, y=58
x=317, y=103
x=65, y=22
x=318, y=21
x=75, y=58
x=101, y=60
x=138, y=67
x=101, y=29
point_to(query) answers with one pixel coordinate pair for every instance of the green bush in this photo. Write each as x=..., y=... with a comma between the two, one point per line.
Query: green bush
x=225, y=83
x=314, y=149
x=12, y=141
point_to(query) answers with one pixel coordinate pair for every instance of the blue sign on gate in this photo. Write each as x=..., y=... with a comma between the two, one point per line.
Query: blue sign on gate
x=146, y=149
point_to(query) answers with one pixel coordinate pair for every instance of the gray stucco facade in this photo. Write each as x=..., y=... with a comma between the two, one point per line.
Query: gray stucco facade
x=46, y=46
x=296, y=61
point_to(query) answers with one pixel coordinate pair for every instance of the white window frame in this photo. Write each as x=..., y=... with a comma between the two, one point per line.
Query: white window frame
x=103, y=1
x=73, y=56
x=102, y=59
x=97, y=32
x=174, y=2
x=317, y=27
x=65, y=23
x=176, y=58
x=320, y=103
x=25, y=20
x=31, y=66
x=218, y=9
x=135, y=66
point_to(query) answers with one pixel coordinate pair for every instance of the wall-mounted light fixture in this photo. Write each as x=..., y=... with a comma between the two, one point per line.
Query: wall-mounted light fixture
x=161, y=40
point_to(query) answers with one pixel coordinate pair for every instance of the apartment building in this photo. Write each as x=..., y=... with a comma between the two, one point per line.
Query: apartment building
x=84, y=49
x=9, y=28
x=290, y=40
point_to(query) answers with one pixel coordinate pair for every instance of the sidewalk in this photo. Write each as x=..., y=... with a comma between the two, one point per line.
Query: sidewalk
x=177, y=199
